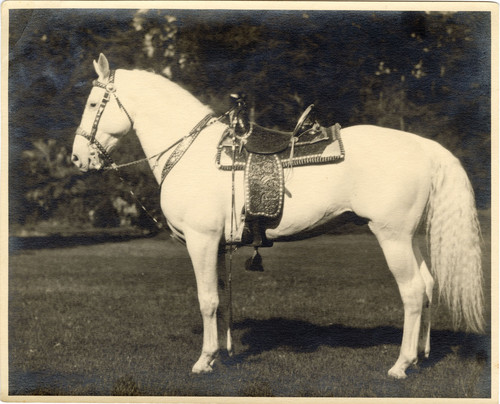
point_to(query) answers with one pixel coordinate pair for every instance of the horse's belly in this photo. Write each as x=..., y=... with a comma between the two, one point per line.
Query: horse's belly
x=313, y=196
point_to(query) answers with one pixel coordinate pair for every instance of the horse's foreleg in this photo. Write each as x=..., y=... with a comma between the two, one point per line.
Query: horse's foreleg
x=202, y=249
x=403, y=265
x=424, y=343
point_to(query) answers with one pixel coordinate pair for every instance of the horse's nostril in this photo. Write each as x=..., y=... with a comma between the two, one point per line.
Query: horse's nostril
x=76, y=161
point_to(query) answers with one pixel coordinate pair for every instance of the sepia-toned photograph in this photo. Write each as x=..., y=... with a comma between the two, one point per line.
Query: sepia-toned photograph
x=234, y=200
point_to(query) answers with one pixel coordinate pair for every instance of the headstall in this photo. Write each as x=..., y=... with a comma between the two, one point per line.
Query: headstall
x=181, y=145
x=109, y=88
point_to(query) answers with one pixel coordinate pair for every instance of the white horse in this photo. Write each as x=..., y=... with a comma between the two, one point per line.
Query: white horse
x=395, y=180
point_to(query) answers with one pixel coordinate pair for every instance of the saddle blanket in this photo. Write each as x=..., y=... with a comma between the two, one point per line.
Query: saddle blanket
x=323, y=148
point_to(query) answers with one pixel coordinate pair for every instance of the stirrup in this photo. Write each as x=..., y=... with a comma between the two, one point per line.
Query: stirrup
x=254, y=263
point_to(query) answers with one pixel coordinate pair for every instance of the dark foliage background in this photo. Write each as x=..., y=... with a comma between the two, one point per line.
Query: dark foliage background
x=427, y=73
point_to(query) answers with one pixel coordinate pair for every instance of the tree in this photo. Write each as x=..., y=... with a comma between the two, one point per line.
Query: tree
x=423, y=72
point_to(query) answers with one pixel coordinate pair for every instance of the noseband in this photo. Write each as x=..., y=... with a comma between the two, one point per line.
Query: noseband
x=109, y=88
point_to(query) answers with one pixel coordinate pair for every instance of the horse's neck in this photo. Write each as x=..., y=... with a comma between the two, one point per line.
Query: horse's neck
x=163, y=112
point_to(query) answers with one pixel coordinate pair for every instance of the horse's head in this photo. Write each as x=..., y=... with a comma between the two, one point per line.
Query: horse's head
x=103, y=122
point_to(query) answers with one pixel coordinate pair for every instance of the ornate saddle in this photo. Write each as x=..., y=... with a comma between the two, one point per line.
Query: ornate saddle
x=263, y=154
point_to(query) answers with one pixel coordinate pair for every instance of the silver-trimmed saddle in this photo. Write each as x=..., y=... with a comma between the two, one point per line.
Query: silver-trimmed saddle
x=263, y=154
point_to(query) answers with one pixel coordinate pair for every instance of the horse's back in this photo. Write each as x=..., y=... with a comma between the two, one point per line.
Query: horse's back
x=389, y=141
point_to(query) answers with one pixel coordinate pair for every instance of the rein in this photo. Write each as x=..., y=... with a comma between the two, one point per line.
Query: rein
x=181, y=145
x=115, y=166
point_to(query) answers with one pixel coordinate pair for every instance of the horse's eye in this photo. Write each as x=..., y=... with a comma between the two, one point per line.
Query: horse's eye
x=93, y=104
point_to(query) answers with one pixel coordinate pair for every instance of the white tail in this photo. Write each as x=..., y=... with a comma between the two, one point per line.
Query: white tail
x=454, y=237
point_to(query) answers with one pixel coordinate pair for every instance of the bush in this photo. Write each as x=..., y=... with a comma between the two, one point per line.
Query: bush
x=56, y=191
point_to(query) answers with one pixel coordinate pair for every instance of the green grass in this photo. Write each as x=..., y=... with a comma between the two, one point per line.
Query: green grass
x=323, y=320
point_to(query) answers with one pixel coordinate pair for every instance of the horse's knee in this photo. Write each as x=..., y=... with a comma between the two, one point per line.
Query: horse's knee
x=208, y=305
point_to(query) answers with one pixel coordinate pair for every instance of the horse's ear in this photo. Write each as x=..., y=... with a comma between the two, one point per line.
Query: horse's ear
x=102, y=68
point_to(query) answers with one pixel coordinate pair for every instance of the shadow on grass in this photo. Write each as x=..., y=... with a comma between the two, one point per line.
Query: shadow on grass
x=302, y=336
x=259, y=336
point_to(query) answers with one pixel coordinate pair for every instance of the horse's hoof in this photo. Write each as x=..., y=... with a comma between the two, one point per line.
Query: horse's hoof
x=423, y=355
x=397, y=373
x=226, y=357
x=424, y=350
x=202, y=368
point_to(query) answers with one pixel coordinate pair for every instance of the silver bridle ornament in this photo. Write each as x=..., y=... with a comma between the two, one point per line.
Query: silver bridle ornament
x=110, y=88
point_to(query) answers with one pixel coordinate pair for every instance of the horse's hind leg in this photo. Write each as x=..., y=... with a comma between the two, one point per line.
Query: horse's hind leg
x=203, y=250
x=424, y=344
x=400, y=257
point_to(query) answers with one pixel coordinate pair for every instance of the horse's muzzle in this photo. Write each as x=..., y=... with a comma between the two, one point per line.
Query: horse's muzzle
x=85, y=157
x=92, y=162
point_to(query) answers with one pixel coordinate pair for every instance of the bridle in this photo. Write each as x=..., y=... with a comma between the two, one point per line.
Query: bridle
x=181, y=145
x=109, y=88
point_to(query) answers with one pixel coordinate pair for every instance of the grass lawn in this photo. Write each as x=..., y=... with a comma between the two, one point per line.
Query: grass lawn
x=323, y=320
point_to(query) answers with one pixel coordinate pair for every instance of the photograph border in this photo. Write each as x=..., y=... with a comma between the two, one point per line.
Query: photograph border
x=247, y=5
